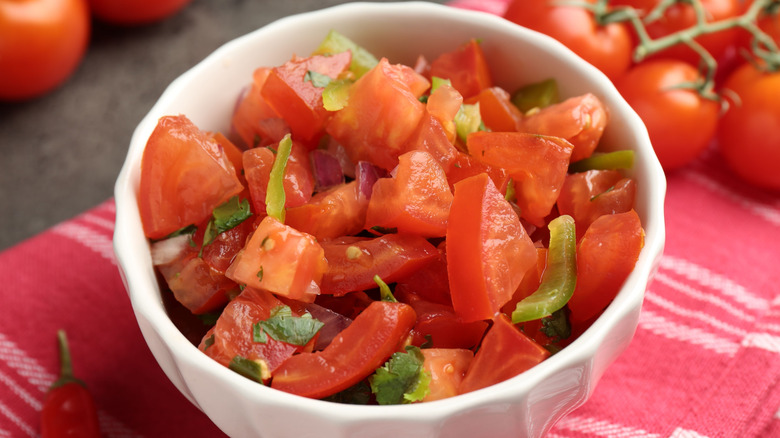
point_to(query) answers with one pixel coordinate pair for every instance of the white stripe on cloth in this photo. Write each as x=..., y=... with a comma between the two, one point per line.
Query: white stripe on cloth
x=685, y=433
x=28, y=398
x=767, y=213
x=97, y=220
x=764, y=341
x=698, y=315
x=658, y=325
x=603, y=428
x=705, y=297
x=18, y=422
x=98, y=243
x=714, y=281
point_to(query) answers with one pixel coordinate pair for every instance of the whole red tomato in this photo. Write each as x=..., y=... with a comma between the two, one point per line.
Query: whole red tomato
x=680, y=122
x=749, y=132
x=607, y=47
x=41, y=44
x=681, y=16
x=135, y=12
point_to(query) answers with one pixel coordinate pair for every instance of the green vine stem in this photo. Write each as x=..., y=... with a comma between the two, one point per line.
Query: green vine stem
x=763, y=46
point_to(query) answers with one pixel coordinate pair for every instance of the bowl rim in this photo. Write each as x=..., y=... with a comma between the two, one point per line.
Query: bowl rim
x=139, y=284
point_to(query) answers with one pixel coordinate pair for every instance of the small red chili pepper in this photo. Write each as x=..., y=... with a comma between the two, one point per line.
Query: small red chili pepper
x=68, y=409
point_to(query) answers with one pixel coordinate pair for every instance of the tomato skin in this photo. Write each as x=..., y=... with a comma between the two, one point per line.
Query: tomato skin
x=195, y=284
x=415, y=200
x=353, y=354
x=336, y=212
x=606, y=255
x=298, y=178
x=447, y=366
x=488, y=250
x=251, y=110
x=232, y=334
x=466, y=67
x=280, y=259
x=587, y=195
x=69, y=411
x=441, y=325
x=537, y=164
x=392, y=257
x=749, y=132
x=135, y=12
x=42, y=42
x=382, y=114
x=496, y=108
x=608, y=47
x=428, y=282
x=185, y=174
x=669, y=112
x=504, y=353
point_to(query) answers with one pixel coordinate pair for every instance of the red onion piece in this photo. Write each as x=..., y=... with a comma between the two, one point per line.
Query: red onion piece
x=366, y=175
x=168, y=250
x=334, y=324
x=326, y=168
x=347, y=166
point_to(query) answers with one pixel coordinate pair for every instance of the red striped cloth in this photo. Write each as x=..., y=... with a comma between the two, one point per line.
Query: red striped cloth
x=705, y=361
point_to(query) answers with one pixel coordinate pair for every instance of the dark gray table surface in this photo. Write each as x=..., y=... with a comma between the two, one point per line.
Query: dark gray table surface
x=60, y=154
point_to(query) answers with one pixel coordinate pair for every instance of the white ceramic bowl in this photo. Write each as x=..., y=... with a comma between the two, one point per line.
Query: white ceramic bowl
x=525, y=406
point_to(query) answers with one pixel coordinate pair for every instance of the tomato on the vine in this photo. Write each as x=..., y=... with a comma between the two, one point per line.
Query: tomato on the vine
x=607, y=47
x=749, y=132
x=681, y=122
x=42, y=42
x=682, y=15
x=135, y=12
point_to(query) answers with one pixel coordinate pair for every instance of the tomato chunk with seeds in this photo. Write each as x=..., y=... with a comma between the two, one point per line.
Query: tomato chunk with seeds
x=488, y=250
x=294, y=90
x=353, y=355
x=353, y=262
x=447, y=367
x=282, y=260
x=232, y=335
x=185, y=174
x=332, y=213
x=606, y=255
x=537, y=164
x=416, y=200
x=382, y=114
x=587, y=195
x=504, y=353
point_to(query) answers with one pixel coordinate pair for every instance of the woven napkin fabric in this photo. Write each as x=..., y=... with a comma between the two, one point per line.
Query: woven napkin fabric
x=705, y=360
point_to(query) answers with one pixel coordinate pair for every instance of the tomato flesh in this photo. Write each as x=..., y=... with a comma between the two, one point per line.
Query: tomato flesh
x=466, y=67
x=446, y=366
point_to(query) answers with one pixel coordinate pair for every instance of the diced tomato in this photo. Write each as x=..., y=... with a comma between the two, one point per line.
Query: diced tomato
x=298, y=178
x=446, y=366
x=196, y=285
x=335, y=212
x=431, y=137
x=531, y=281
x=251, y=109
x=537, y=164
x=382, y=114
x=504, y=353
x=443, y=104
x=439, y=324
x=466, y=67
x=282, y=260
x=295, y=92
x=185, y=174
x=415, y=200
x=580, y=120
x=465, y=166
x=352, y=356
x=587, y=195
x=233, y=153
x=353, y=263
x=497, y=110
x=219, y=254
x=232, y=335
x=606, y=255
x=429, y=282
x=488, y=250
x=349, y=305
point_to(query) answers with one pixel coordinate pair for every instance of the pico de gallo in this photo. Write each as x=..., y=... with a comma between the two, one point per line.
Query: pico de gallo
x=379, y=233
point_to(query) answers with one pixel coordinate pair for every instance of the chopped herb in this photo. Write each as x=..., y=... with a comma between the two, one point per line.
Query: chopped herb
x=358, y=394
x=258, y=335
x=593, y=198
x=284, y=327
x=260, y=274
x=189, y=229
x=319, y=80
x=256, y=370
x=424, y=98
x=428, y=341
x=556, y=326
x=384, y=230
x=209, y=319
x=208, y=342
x=510, y=190
x=384, y=290
x=225, y=217
x=402, y=379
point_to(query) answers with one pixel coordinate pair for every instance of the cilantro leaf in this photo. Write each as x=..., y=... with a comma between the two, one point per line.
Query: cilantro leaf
x=556, y=326
x=284, y=327
x=319, y=80
x=359, y=394
x=225, y=217
x=255, y=370
x=402, y=379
